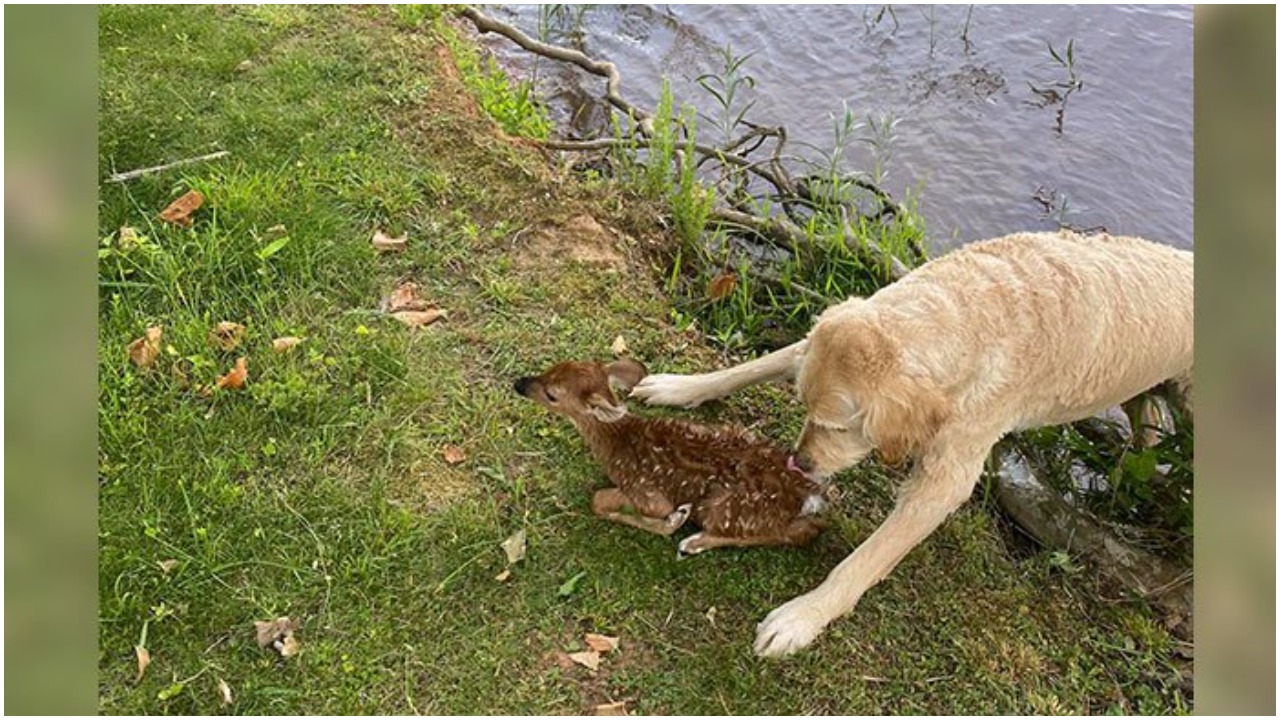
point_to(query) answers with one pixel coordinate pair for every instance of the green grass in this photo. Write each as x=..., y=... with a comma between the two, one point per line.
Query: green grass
x=319, y=491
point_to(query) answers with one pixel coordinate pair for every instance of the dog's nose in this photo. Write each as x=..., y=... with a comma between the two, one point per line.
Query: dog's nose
x=522, y=385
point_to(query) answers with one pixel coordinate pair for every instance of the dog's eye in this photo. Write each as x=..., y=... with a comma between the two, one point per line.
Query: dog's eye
x=551, y=396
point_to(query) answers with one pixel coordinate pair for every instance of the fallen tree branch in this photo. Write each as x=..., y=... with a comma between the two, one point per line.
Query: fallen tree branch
x=709, y=151
x=126, y=176
x=1051, y=520
x=781, y=232
x=897, y=268
x=603, y=68
x=814, y=295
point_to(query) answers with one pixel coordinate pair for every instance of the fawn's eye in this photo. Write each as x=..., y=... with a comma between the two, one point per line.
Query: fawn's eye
x=551, y=396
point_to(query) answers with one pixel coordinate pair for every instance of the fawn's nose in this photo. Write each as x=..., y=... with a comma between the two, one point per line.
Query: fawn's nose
x=522, y=385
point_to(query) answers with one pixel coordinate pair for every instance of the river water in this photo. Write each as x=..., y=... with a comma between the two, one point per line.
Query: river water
x=973, y=141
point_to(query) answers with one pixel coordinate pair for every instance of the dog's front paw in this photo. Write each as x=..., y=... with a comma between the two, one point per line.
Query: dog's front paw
x=790, y=628
x=669, y=390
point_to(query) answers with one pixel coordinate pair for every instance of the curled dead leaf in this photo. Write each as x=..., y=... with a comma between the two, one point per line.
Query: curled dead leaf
x=224, y=691
x=278, y=634
x=589, y=659
x=515, y=547
x=244, y=65
x=144, y=350
x=268, y=631
x=722, y=286
x=235, y=379
x=285, y=344
x=384, y=243
x=419, y=318
x=179, y=211
x=503, y=576
x=287, y=647
x=167, y=566
x=128, y=239
x=227, y=335
x=618, y=708
x=144, y=659
x=601, y=643
x=453, y=454
x=404, y=297
x=619, y=346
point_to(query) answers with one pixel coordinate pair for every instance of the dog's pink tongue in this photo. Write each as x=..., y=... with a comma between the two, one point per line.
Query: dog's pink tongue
x=792, y=466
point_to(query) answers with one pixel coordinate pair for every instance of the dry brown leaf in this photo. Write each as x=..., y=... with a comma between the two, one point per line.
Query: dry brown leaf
x=144, y=659
x=167, y=566
x=235, y=379
x=144, y=350
x=244, y=65
x=503, y=576
x=618, y=708
x=453, y=454
x=227, y=335
x=181, y=372
x=128, y=238
x=601, y=643
x=278, y=634
x=619, y=346
x=722, y=286
x=224, y=691
x=383, y=242
x=269, y=631
x=285, y=344
x=179, y=211
x=405, y=297
x=419, y=318
x=515, y=547
x=589, y=659
x=276, y=230
x=288, y=647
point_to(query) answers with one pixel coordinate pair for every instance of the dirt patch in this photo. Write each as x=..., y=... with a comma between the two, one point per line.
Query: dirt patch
x=581, y=239
x=430, y=484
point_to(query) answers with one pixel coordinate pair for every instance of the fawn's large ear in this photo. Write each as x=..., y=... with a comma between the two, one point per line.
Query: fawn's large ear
x=625, y=373
x=603, y=407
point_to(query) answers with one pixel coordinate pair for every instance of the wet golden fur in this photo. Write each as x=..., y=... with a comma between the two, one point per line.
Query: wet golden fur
x=1018, y=332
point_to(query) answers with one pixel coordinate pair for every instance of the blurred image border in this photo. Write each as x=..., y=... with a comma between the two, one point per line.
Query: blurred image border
x=50, y=222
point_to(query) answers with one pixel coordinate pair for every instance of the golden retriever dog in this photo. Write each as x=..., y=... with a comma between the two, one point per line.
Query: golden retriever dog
x=1007, y=334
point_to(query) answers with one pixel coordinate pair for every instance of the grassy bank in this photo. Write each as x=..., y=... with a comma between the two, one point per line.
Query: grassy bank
x=320, y=490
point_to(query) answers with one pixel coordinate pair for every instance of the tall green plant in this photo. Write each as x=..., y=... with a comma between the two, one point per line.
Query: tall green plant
x=691, y=202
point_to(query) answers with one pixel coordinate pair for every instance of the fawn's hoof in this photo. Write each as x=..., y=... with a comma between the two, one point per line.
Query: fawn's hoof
x=689, y=546
x=678, y=517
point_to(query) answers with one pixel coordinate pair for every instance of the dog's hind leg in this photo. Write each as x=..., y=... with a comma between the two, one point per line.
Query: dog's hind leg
x=941, y=481
x=693, y=390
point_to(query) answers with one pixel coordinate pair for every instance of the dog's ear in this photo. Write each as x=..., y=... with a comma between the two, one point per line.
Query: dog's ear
x=625, y=373
x=901, y=417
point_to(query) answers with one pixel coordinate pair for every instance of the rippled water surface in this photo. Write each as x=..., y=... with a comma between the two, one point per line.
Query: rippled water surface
x=970, y=138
